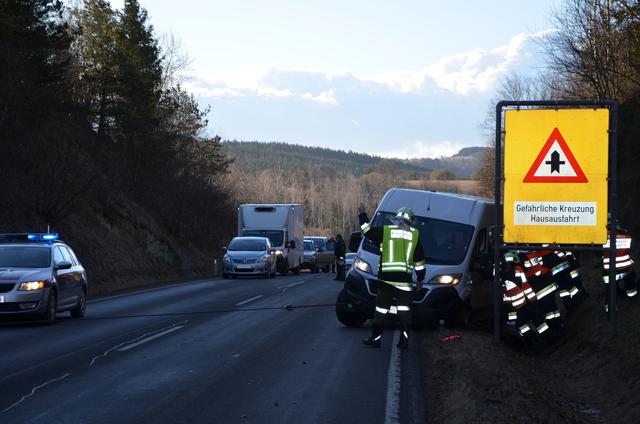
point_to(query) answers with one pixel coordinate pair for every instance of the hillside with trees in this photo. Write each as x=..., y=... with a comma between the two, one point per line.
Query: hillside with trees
x=255, y=156
x=463, y=165
x=101, y=143
x=330, y=183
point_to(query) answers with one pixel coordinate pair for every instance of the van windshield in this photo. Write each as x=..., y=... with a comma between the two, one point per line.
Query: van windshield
x=444, y=242
x=276, y=237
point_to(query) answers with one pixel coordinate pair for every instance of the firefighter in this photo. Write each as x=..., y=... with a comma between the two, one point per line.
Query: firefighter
x=542, y=282
x=519, y=299
x=401, y=253
x=625, y=274
x=566, y=274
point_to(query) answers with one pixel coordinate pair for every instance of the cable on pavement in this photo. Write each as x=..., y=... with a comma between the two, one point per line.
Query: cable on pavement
x=287, y=307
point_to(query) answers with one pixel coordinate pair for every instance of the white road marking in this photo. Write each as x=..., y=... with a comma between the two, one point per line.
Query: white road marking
x=244, y=302
x=148, y=339
x=297, y=283
x=183, y=284
x=33, y=391
x=392, y=408
x=108, y=351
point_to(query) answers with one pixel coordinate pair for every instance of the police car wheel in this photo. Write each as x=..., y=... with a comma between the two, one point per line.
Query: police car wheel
x=49, y=315
x=80, y=309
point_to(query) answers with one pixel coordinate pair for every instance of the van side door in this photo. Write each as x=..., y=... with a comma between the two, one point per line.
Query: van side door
x=481, y=266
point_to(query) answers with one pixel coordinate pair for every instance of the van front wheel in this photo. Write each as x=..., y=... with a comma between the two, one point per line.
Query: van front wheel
x=348, y=310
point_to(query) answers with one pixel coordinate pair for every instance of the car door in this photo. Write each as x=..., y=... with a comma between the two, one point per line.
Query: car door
x=75, y=274
x=63, y=276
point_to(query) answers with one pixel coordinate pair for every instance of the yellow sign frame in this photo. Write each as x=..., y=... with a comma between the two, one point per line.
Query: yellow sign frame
x=556, y=212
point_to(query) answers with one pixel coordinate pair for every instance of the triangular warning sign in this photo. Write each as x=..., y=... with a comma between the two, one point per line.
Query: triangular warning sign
x=555, y=163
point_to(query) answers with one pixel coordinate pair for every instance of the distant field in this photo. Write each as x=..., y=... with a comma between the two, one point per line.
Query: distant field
x=452, y=186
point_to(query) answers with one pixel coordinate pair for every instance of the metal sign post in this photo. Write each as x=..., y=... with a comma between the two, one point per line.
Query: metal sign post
x=559, y=178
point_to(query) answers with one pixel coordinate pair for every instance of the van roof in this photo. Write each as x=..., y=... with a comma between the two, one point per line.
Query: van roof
x=447, y=206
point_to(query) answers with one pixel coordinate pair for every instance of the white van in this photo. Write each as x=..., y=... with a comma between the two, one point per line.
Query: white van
x=455, y=231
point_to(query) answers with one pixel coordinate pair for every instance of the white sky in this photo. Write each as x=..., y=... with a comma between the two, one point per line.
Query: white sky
x=400, y=78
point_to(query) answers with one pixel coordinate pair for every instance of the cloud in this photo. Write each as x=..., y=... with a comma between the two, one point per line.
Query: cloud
x=430, y=112
x=423, y=149
x=326, y=97
x=477, y=70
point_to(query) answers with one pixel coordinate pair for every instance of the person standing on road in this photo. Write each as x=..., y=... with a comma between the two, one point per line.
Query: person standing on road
x=330, y=245
x=401, y=253
x=340, y=250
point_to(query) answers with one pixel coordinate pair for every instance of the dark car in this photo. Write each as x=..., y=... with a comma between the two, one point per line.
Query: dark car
x=40, y=276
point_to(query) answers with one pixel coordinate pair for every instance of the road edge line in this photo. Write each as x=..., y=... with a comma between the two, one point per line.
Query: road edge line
x=392, y=406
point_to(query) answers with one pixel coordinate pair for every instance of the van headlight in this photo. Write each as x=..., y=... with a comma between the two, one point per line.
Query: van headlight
x=278, y=252
x=446, y=279
x=263, y=259
x=361, y=265
x=226, y=258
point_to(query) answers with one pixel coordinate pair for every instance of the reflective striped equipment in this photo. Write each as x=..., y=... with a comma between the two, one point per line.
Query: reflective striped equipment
x=623, y=248
x=398, y=246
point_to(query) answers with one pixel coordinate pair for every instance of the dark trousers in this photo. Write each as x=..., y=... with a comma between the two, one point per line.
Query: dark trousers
x=392, y=303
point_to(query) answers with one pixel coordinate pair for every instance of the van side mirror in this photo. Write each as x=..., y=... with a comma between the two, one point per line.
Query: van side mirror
x=292, y=244
x=224, y=248
x=354, y=241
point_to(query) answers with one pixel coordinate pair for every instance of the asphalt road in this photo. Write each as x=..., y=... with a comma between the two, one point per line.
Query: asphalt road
x=217, y=351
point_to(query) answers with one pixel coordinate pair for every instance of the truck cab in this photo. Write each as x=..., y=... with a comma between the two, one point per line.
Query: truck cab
x=455, y=234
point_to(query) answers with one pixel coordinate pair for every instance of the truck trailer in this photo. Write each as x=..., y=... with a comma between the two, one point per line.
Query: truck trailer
x=283, y=224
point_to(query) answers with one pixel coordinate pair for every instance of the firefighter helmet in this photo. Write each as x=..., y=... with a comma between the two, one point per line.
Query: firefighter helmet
x=405, y=214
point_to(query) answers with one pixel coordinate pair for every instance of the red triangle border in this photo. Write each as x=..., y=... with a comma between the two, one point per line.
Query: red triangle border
x=580, y=177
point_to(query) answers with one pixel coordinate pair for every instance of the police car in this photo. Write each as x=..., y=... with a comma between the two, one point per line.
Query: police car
x=40, y=276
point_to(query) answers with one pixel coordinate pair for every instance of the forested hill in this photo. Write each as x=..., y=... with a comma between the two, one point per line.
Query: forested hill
x=463, y=164
x=255, y=156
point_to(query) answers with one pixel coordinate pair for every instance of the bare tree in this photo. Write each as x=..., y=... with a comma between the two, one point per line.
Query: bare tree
x=591, y=51
x=513, y=87
x=175, y=60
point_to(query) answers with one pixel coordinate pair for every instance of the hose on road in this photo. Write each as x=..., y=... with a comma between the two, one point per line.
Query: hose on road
x=288, y=307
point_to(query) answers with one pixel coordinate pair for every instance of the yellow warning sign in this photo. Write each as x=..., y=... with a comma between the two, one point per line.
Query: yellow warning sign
x=555, y=169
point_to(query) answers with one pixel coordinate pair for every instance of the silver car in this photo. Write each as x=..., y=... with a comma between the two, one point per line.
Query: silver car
x=40, y=276
x=249, y=256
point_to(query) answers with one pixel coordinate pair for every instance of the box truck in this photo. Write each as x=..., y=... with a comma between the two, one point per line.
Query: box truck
x=283, y=224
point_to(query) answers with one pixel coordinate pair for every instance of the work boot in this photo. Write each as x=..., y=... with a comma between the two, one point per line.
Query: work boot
x=403, y=343
x=376, y=337
x=373, y=341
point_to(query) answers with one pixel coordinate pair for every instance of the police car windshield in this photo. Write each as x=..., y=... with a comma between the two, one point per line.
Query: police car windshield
x=247, y=245
x=275, y=237
x=308, y=245
x=444, y=242
x=24, y=257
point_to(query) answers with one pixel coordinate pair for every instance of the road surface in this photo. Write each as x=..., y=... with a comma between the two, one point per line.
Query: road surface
x=216, y=351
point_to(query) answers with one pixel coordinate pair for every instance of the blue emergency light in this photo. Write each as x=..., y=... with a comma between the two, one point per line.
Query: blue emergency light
x=29, y=237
